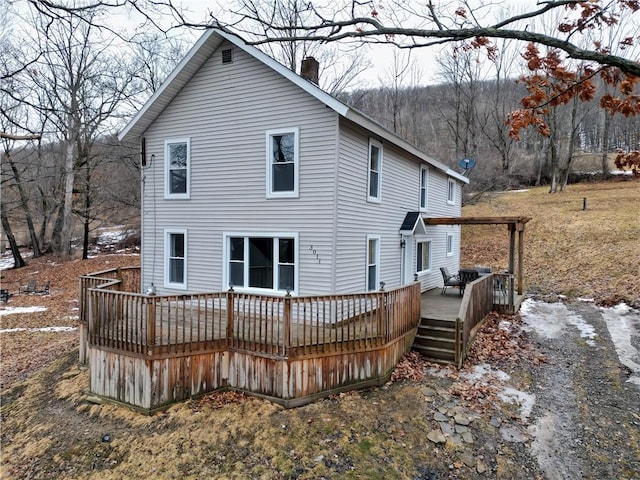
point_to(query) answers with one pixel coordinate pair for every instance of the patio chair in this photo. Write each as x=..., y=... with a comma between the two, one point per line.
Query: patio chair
x=30, y=287
x=449, y=280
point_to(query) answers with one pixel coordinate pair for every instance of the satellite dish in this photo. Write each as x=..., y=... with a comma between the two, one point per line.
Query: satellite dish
x=467, y=163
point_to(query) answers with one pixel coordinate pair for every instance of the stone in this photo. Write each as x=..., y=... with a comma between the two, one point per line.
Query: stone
x=446, y=428
x=428, y=392
x=461, y=420
x=468, y=459
x=319, y=458
x=461, y=429
x=436, y=436
x=440, y=417
x=495, y=422
x=467, y=437
x=512, y=435
x=481, y=467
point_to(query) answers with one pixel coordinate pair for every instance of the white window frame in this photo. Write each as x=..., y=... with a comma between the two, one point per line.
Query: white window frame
x=449, y=244
x=167, y=169
x=370, y=238
x=429, y=260
x=378, y=145
x=451, y=192
x=167, y=259
x=424, y=187
x=296, y=162
x=275, y=236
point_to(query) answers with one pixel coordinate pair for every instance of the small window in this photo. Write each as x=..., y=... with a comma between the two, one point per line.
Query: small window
x=373, y=262
x=261, y=262
x=177, y=168
x=423, y=256
x=282, y=163
x=451, y=192
x=375, y=171
x=449, y=244
x=176, y=258
x=424, y=181
x=227, y=55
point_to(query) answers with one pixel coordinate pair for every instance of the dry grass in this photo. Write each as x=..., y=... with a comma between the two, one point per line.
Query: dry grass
x=570, y=251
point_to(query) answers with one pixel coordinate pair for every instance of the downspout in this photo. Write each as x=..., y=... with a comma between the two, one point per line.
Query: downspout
x=336, y=169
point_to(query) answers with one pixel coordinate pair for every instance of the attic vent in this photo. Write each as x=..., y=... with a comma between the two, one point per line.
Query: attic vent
x=227, y=56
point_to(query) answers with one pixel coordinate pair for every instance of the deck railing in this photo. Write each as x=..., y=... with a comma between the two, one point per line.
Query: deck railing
x=477, y=303
x=261, y=324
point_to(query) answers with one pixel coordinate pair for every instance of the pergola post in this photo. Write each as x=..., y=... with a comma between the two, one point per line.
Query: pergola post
x=520, y=257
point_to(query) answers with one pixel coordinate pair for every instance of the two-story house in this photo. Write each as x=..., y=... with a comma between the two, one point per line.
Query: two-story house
x=256, y=178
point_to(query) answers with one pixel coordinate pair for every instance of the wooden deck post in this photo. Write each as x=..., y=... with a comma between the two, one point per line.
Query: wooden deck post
x=151, y=324
x=230, y=315
x=520, y=257
x=287, y=325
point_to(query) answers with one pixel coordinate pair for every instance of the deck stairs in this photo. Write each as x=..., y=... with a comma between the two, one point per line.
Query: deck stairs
x=436, y=340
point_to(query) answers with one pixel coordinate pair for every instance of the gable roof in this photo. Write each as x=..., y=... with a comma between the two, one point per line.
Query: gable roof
x=203, y=49
x=410, y=223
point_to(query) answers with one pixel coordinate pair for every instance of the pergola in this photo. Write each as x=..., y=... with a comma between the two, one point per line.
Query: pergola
x=514, y=224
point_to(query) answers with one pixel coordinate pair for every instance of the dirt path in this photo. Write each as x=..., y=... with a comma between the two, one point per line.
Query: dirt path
x=586, y=421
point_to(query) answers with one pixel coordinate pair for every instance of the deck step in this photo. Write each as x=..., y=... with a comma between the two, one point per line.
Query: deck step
x=435, y=322
x=436, y=354
x=439, y=332
x=435, y=342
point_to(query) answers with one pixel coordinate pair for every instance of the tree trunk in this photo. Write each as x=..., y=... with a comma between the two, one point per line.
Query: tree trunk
x=18, y=261
x=62, y=231
x=606, y=128
x=86, y=214
x=24, y=204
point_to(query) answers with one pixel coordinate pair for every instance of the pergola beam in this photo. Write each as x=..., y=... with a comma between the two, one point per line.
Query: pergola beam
x=513, y=224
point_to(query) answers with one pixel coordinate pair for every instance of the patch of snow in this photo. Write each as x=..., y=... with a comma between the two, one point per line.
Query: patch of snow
x=525, y=400
x=483, y=372
x=6, y=260
x=505, y=325
x=623, y=323
x=551, y=319
x=43, y=329
x=586, y=300
x=12, y=310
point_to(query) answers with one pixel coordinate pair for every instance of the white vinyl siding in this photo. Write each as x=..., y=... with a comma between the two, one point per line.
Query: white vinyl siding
x=424, y=188
x=175, y=252
x=282, y=163
x=373, y=262
x=226, y=114
x=177, y=168
x=374, y=187
x=261, y=262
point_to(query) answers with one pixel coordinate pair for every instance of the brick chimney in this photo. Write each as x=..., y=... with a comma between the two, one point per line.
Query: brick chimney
x=309, y=69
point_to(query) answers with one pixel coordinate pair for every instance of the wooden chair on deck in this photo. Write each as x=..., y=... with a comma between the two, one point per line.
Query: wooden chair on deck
x=449, y=280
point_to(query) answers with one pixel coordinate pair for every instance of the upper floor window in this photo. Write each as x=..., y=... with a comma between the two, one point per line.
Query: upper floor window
x=177, y=154
x=375, y=171
x=451, y=192
x=282, y=163
x=175, y=247
x=424, y=180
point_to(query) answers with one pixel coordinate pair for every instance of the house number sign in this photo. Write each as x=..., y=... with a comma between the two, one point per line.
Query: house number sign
x=314, y=252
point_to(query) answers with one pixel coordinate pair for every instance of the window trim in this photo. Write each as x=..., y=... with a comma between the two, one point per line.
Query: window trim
x=167, y=169
x=449, y=245
x=430, y=259
x=424, y=169
x=374, y=143
x=167, y=248
x=226, y=258
x=451, y=192
x=377, y=263
x=296, y=162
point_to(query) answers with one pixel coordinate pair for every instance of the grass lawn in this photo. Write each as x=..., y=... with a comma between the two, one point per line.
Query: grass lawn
x=591, y=253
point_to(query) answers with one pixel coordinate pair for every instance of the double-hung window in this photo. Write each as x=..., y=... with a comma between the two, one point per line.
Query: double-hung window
x=424, y=181
x=175, y=269
x=177, y=154
x=374, y=193
x=282, y=162
x=451, y=192
x=423, y=256
x=262, y=262
x=373, y=262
